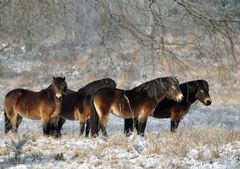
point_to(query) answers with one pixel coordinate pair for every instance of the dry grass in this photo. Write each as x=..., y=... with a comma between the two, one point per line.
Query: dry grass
x=182, y=141
x=202, y=144
x=207, y=141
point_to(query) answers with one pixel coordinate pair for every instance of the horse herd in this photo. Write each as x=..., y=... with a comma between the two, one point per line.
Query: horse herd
x=92, y=104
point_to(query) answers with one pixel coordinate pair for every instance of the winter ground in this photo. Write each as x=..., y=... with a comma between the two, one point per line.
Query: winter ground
x=208, y=137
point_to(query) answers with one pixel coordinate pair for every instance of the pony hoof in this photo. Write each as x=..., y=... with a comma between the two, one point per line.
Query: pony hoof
x=95, y=135
x=128, y=134
x=46, y=135
x=57, y=136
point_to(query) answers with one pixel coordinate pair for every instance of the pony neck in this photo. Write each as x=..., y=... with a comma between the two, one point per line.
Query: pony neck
x=190, y=93
x=51, y=93
x=162, y=92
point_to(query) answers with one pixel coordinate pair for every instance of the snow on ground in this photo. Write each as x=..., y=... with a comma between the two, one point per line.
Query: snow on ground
x=207, y=138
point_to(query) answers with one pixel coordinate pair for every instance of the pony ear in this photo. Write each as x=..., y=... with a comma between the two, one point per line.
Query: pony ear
x=175, y=79
x=64, y=78
x=54, y=77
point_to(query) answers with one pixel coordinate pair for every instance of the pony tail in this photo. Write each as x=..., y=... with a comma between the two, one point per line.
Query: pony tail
x=7, y=123
x=94, y=119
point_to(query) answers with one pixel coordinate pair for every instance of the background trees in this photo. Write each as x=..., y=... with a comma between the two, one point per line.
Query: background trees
x=122, y=38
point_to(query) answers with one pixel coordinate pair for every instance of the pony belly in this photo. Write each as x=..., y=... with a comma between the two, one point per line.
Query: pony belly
x=162, y=114
x=124, y=115
x=28, y=108
x=76, y=115
x=69, y=115
x=122, y=112
x=30, y=115
x=178, y=112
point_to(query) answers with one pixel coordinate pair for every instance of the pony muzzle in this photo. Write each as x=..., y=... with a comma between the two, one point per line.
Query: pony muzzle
x=207, y=101
x=179, y=97
x=58, y=96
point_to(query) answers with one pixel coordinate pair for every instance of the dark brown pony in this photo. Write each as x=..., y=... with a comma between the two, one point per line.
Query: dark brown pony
x=138, y=102
x=75, y=105
x=44, y=105
x=192, y=91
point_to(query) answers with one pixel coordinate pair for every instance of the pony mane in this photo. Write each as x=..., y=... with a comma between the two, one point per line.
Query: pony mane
x=198, y=83
x=153, y=88
x=92, y=87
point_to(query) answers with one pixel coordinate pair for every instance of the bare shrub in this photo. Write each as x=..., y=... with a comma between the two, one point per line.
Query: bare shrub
x=16, y=147
x=59, y=157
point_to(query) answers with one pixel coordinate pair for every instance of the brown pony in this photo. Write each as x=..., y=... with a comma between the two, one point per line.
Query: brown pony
x=44, y=105
x=138, y=102
x=75, y=105
x=192, y=91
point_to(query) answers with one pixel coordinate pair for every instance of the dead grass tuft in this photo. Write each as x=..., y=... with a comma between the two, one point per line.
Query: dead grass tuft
x=182, y=141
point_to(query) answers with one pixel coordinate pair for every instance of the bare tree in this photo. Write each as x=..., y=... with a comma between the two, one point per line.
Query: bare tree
x=162, y=32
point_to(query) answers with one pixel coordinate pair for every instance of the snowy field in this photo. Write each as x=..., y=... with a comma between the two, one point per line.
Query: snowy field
x=208, y=137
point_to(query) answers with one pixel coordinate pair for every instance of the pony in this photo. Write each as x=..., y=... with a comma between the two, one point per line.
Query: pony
x=44, y=105
x=192, y=91
x=75, y=105
x=138, y=102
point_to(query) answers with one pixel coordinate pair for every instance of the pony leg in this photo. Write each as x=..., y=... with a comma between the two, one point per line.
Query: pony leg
x=177, y=114
x=178, y=123
x=13, y=121
x=50, y=128
x=141, y=127
x=94, y=120
x=87, y=127
x=53, y=126
x=174, y=125
x=98, y=117
x=103, y=129
x=128, y=126
x=82, y=128
x=59, y=126
x=175, y=119
x=135, y=121
x=8, y=125
x=103, y=123
x=141, y=123
x=46, y=127
x=19, y=120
